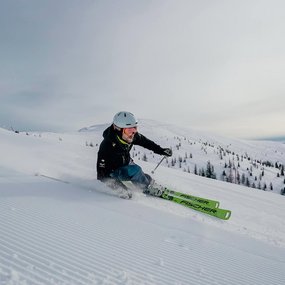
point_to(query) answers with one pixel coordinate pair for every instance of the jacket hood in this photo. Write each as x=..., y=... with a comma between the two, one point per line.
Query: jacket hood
x=109, y=132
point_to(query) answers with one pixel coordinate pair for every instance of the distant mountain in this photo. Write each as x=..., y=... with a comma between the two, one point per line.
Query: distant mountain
x=278, y=139
x=95, y=128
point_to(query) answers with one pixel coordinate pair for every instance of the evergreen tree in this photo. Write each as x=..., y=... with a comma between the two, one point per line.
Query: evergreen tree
x=224, y=175
x=202, y=172
x=208, y=170
x=231, y=176
x=238, y=177
x=195, y=170
x=282, y=170
x=144, y=158
x=243, y=178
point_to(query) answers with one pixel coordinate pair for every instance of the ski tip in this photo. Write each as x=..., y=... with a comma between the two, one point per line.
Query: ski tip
x=227, y=215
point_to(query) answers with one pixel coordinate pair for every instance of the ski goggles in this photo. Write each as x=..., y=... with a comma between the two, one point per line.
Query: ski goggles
x=129, y=131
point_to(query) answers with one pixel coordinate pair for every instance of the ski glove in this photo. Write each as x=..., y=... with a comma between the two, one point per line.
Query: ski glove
x=167, y=151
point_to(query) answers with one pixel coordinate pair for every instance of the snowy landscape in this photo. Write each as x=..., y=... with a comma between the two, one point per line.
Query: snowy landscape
x=59, y=225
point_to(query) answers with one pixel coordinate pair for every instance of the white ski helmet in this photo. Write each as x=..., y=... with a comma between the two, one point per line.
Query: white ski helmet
x=125, y=120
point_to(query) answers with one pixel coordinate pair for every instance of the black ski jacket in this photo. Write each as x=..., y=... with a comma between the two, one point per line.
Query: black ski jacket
x=113, y=153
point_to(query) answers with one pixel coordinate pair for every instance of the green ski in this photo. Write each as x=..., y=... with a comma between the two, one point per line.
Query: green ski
x=203, y=205
x=204, y=201
x=215, y=212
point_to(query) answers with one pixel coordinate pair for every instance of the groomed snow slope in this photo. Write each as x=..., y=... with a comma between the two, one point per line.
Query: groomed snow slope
x=53, y=232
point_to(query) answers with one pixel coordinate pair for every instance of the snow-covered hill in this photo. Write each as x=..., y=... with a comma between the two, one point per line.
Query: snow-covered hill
x=76, y=231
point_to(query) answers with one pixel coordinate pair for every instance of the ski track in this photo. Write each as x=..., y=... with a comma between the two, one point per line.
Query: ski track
x=47, y=240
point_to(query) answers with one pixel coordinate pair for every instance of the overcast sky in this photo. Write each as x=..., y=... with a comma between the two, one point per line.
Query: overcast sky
x=211, y=65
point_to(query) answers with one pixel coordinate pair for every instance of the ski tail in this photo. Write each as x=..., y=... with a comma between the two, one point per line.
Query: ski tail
x=113, y=187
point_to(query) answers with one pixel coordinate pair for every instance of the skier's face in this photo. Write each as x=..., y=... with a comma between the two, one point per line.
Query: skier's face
x=129, y=133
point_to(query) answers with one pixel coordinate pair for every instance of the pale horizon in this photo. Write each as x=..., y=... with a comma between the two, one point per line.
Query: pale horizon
x=213, y=66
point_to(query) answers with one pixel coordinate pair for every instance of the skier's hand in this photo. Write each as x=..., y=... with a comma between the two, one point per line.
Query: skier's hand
x=167, y=151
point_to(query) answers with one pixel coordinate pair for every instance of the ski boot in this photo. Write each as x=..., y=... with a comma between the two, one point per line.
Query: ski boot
x=154, y=189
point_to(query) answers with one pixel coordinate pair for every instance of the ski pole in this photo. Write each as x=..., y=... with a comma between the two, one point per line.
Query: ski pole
x=159, y=163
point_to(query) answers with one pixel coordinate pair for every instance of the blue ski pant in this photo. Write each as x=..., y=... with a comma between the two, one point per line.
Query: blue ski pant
x=134, y=173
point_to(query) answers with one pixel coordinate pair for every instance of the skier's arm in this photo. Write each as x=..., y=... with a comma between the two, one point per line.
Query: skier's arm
x=102, y=172
x=103, y=162
x=149, y=144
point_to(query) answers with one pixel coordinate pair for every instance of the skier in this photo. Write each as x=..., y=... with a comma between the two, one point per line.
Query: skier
x=114, y=163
